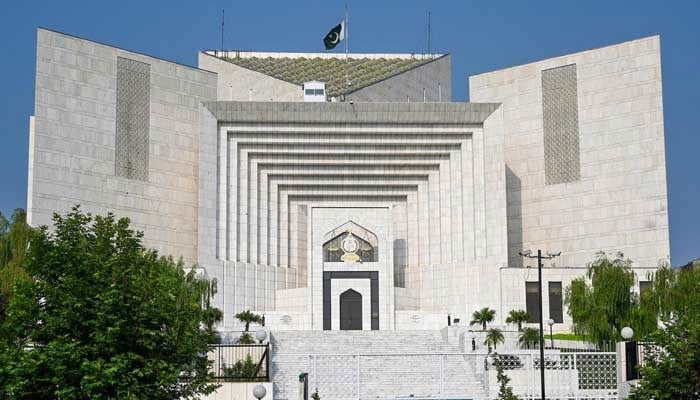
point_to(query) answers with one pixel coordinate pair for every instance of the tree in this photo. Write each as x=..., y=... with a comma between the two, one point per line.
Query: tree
x=14, y=241
x=483, y=317
x=103, y=317
x=505, y=392
x=600, y=310
x=494, y=337
x=529, y=337
x=248, y=317
x=517, y=317
x=672, y=364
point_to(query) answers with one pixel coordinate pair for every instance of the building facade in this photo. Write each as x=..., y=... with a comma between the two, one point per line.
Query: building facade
x=383, y=206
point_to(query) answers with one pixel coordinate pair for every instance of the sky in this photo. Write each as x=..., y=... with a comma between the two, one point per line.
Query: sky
x=481, y=36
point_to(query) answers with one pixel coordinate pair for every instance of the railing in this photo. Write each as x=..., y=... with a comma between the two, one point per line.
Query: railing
x=586, y=375
x=240, y=362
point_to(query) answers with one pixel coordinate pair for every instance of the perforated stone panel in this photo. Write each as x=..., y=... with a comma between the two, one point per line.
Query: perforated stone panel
x=560, y=120
x=133, y=113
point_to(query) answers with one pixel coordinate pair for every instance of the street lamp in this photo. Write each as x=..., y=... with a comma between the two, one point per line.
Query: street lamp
x=550, y=255
x=631, y=354
x=551, y=336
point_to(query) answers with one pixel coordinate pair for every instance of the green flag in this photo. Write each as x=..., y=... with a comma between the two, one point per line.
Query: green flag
x=335, y=35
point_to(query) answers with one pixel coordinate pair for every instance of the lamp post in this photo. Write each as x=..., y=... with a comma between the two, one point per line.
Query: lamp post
x=550, y=255
x=551, y=336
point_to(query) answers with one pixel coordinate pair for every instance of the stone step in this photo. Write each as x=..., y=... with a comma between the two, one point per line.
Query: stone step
x=371, y=364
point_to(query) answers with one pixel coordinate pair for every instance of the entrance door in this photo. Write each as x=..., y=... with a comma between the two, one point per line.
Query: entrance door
x=350, y=311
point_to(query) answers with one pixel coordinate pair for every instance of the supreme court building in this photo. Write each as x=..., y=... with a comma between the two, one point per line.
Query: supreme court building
x=356, y=195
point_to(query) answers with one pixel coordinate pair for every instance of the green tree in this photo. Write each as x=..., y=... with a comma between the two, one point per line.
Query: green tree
x=104, y=318
x=602, y=308
x=505, y=392
x=247, y=317
x=518, y=317
x=483, y=317
x=672, y=364
x=529, y=337
x=14, y=241
x=494, y=337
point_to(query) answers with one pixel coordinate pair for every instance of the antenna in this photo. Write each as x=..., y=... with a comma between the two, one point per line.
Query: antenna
x=222, y=31
x=429, y=33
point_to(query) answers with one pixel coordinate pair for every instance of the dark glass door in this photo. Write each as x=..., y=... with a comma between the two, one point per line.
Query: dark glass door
x=350, y=311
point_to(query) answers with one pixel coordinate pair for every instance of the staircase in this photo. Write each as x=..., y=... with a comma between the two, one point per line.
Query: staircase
x=374, y=364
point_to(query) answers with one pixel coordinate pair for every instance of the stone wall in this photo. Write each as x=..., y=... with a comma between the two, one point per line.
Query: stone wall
x=73, y=145
x=619, y=201
x=237, y=83
x=434, y=80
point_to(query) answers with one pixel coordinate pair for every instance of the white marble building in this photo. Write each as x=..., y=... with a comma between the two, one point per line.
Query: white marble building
x=386, y=207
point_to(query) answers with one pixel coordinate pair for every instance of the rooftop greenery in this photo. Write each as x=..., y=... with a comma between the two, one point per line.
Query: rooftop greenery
x=361, y=72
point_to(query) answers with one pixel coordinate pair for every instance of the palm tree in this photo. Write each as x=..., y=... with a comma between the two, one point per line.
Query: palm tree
x=483, y=317
x=494, y=337
x=529, y=337
x=517, y=317
x=248, y=317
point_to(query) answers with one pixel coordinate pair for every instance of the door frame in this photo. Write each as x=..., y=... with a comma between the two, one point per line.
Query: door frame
x=373, y=277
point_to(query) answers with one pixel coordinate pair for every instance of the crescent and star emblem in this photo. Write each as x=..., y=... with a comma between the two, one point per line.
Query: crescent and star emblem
x=336, y=38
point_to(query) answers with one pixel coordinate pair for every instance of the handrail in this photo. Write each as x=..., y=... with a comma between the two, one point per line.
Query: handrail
x=227, y=362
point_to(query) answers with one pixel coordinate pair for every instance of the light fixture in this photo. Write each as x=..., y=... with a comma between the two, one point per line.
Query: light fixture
x=261, y=335
x=259, y=391
x=526, y=253
x=627, y=333
x=550, y=322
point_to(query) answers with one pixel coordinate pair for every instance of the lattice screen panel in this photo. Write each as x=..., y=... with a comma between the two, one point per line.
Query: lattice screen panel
x=560, y=120
x=133, y=118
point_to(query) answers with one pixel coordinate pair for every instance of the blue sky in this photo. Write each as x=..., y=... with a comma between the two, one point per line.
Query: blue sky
x=481, y=35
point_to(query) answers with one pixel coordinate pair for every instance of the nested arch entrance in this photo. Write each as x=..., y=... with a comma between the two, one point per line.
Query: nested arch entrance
x=350, y=311
x=365, y=285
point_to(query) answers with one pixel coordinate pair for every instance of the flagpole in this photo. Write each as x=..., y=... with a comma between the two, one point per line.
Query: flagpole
x=347, y=76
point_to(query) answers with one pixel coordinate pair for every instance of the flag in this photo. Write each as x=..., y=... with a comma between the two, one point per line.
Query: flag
x=334, y=36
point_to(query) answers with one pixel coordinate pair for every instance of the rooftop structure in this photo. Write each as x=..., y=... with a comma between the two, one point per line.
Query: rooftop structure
x=360, y=70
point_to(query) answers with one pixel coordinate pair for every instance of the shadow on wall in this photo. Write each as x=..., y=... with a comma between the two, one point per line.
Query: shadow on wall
x=400, y=261
x=514, y=218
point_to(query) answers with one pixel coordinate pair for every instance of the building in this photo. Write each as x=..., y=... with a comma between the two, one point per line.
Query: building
x=355, y=195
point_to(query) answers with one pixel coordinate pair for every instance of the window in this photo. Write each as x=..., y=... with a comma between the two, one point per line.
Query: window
x=308, y=92
x=556, y=302
x=644, y=286
x=532, y=305
x=318, y=92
